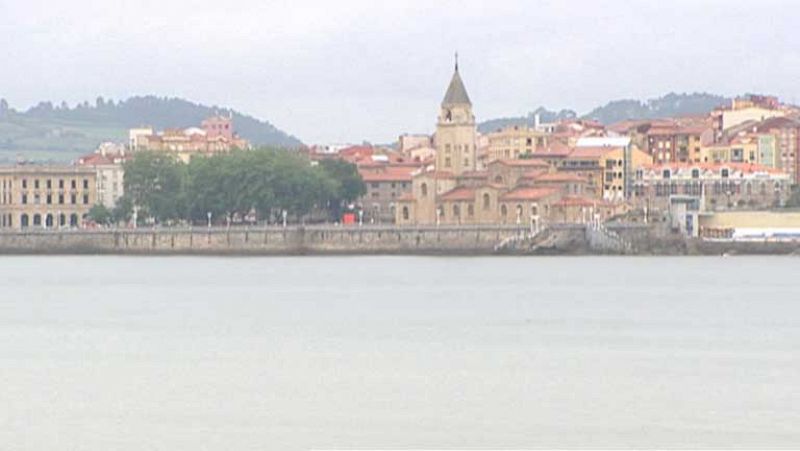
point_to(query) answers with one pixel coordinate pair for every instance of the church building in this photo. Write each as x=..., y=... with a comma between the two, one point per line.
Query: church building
x=507, y=191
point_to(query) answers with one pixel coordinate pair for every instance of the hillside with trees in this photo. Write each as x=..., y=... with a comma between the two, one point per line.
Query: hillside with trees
x=61, y=132
x=670, y=105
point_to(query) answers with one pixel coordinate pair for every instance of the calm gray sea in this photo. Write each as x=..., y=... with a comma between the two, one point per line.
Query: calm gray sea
x=126, y=353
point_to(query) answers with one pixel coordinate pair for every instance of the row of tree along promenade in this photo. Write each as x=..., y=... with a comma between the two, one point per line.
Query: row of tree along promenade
x=263, y=185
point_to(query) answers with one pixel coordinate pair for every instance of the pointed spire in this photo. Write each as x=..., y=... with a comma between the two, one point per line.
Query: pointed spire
x=456, y=92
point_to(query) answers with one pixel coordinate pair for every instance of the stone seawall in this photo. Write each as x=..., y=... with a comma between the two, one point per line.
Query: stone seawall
x=262, y=241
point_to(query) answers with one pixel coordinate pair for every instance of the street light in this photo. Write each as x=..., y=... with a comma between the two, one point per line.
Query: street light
x=208, y=215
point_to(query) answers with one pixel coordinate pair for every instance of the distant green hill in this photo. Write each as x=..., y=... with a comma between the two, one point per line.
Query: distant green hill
x=670, y=105
x=57, y=133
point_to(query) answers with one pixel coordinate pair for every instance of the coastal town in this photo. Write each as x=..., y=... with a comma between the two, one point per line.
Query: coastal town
x=726, y=175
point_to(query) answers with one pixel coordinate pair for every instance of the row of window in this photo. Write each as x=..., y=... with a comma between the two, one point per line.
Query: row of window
x=37, y=199
x=696, y=189
x=49, y=184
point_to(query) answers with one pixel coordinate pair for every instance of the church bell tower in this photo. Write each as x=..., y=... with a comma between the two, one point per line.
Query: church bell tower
x=456, y=136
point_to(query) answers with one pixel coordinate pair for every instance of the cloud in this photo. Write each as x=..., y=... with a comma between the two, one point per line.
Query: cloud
x=352, y=70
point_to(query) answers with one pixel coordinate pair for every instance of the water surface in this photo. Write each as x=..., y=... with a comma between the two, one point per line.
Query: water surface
x=127, y=353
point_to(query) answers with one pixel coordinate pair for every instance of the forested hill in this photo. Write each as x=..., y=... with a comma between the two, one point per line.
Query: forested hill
x=670, y=105
x=48, y=129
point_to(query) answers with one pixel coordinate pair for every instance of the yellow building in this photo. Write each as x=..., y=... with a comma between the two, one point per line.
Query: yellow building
x=46, y=196
x=514, y=141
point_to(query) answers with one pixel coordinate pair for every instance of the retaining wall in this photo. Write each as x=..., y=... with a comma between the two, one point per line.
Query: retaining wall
x=261, y=241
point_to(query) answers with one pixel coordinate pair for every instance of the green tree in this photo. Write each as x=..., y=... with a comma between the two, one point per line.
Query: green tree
x=348, y=184
x=123, y=210
x=100, y=214
x=154, y=182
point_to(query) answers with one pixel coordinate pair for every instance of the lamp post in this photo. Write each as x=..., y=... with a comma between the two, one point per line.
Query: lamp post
x=283, y=216
x=208, y=216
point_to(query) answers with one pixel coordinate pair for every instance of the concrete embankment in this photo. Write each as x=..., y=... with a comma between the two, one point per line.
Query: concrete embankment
x=262, y=241
x=567, y=239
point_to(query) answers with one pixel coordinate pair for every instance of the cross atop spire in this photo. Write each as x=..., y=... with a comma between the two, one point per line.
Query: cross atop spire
x=456, y=61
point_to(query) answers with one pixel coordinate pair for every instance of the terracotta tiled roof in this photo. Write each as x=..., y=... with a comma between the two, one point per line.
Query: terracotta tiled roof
x=388, y=174
x=530, y=162
x=559, y=177
x=437, y=174
x=592, y=152
x=534, y=173
x=460, y=193
x=475, y=174
x=528, y=194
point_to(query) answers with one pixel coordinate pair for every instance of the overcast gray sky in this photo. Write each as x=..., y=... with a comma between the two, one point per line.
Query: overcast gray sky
x=347, y=70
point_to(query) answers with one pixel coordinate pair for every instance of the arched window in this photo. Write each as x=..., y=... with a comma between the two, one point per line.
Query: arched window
x=456, y=211
x=405, y=213
x=498, y=179
x=440, y=211
x=48, y=221
x=519, y=211
x=748, y=188
x=534, y=209
x=424, y=189
x=24, y=221
x=487, y=201
x=62, y=220
x=73, y=220
x=503, y=210
x=37, y=219
x=470, y=210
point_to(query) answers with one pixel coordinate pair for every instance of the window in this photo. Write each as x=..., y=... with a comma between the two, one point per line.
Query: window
x=73, y=184
x=486, y=201
x=61, y=184
x=61, y=199
x=424, y=189
x=25, y=186
x=73, y=199
x=85, y=183
x=49, y=184
x=374, y=184
x=725, y=173
x=503, y=211
x=695, y=173
x=49, y=199
x=456, y=211
x=24, y=199
x=405, y=213
x=470, y=210
x=665, y=174
x=447, y=162
x=36, y=184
